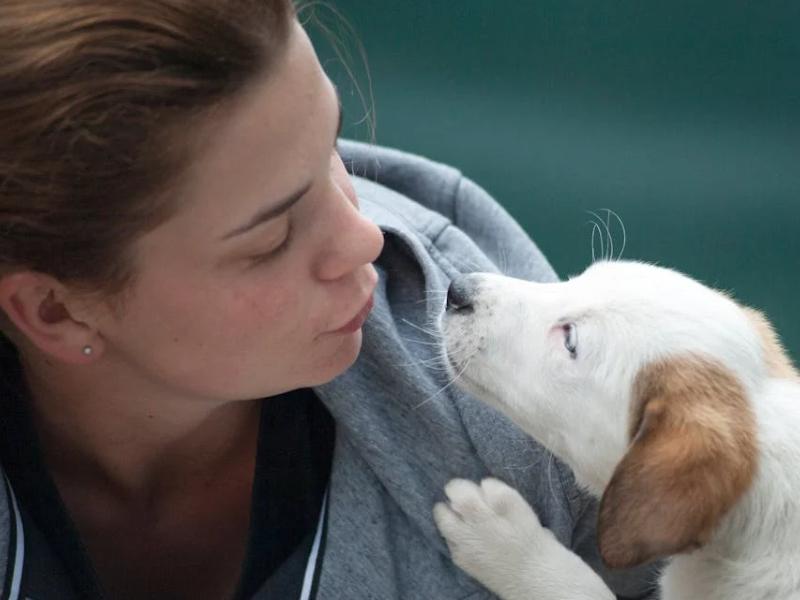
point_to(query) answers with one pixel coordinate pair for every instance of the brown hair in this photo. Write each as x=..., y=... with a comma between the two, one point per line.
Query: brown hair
x=97, y=98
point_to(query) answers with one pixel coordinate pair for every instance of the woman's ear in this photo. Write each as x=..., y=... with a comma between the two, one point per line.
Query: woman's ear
x=693, y=455
x=48, y=316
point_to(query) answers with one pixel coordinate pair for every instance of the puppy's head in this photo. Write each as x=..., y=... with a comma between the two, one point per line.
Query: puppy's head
x=640, y=378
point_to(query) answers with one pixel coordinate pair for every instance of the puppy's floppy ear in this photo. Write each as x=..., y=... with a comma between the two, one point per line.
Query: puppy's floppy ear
x=693, y=455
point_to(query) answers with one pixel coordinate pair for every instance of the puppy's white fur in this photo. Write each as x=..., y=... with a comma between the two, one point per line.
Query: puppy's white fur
x=670, y=402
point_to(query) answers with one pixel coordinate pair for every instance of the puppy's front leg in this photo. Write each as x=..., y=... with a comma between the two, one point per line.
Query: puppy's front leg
x=495, y=536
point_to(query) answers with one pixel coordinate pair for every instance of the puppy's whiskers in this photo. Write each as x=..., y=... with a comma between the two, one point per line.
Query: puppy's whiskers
x=421, y=342
x=448, y=385
x=435, y=363
x=503, y=254
x=550, y=459
x=603, y=236
x=434, y=333
x=595, y=231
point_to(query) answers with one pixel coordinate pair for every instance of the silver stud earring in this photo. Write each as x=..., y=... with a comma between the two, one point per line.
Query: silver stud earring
x=87, y=350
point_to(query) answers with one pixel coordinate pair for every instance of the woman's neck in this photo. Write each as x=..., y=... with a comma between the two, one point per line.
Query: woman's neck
x=102, y=426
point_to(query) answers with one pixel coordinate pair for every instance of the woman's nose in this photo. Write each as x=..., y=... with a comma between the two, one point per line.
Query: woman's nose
x=354, y=240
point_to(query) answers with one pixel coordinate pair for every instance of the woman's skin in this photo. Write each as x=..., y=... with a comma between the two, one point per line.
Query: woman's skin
x=151, y=438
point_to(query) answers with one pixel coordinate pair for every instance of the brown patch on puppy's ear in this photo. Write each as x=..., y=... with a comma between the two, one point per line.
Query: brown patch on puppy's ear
x=778, y=363
x=693, y=455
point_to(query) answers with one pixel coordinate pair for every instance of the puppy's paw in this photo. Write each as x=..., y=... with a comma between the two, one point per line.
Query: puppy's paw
x=490, y=529
x=495, y=536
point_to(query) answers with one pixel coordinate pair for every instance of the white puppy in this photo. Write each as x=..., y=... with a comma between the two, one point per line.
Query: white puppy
x=672, y=403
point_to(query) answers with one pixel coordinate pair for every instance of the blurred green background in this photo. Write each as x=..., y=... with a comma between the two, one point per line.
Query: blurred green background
x=681, y=117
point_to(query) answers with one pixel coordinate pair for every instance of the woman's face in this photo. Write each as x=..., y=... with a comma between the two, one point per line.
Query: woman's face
x=260, y=282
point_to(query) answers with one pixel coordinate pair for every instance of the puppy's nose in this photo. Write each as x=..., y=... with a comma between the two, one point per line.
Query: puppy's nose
x=460, y=294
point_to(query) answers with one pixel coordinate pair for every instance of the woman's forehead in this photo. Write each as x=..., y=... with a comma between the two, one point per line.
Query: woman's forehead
x=263, y=149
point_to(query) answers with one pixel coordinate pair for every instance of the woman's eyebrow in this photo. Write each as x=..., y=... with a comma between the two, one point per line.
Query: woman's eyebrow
x=268, y=213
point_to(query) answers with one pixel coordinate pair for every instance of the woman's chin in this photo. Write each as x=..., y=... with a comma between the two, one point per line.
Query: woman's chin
x=342, y=357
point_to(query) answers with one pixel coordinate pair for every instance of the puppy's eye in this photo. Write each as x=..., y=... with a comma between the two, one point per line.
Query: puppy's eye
x=571, y=338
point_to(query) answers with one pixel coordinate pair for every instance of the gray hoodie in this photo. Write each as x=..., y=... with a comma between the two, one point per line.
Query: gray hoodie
x=402, y=431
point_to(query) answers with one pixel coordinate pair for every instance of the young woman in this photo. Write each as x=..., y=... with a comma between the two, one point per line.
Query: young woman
x=217, y=377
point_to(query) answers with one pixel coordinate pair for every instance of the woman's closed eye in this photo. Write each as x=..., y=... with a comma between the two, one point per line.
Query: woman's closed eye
x=278, y=248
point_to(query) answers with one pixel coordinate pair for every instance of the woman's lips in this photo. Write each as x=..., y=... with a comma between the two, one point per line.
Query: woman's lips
x=357, y=321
